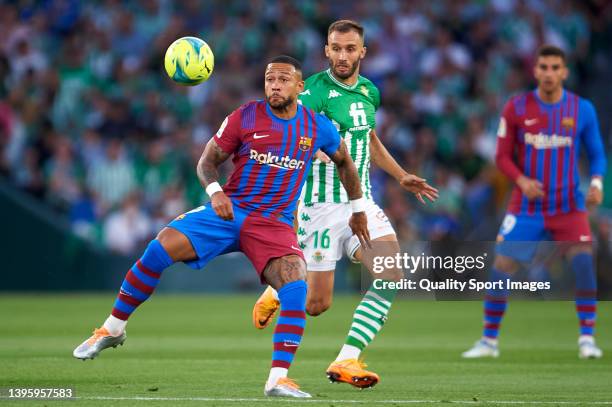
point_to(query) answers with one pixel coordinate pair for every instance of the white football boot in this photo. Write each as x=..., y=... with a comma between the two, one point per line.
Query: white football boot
x=587, y=348
x=483, y=348
x=100, y=340
x=285, y=387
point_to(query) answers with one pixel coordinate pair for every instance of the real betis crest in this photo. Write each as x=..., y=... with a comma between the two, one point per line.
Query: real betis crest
x=364, y=90
x=305, y=143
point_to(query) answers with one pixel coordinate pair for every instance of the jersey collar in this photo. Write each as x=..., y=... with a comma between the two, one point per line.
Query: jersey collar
x=541, y=102
x=342, y=85
x=280, y=119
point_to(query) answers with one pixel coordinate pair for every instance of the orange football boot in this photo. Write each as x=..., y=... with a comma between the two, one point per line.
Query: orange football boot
x=265, y=308
x=352, y=371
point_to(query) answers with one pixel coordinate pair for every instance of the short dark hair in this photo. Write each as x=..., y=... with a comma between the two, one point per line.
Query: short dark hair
x=286, y=59
x=345, y=26
x=548, y=50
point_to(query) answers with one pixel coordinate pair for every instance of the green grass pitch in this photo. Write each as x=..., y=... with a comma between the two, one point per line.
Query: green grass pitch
x=202, y=350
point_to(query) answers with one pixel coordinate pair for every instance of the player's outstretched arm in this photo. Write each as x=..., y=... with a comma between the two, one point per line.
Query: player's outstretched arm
x=381, y=157
x=208, y=174
x=347, y=172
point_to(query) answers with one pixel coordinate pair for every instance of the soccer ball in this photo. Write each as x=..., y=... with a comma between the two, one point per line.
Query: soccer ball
x=189, y=61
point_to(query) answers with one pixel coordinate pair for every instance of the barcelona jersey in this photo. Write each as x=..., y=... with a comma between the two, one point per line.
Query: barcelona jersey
x=272, y=156
x=542, y=141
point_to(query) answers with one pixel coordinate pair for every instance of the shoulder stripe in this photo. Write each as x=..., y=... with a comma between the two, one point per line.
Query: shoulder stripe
x=247, y=115
x=520, y=103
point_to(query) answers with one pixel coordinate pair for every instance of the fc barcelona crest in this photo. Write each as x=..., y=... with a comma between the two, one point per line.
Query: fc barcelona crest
x=305, y=143
x=568, y=123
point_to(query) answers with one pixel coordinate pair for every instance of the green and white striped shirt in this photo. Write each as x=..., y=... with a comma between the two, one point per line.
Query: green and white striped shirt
x=352, y=109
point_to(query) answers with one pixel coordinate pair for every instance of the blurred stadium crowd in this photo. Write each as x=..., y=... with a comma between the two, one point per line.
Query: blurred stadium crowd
x=90, y=123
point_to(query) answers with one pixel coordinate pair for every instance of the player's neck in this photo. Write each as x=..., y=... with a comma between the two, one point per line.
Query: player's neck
x=350, y=81
x=550, y=97
x=285, y=113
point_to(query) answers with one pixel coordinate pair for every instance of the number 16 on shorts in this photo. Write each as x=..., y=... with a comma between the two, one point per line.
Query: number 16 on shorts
x=322, y=241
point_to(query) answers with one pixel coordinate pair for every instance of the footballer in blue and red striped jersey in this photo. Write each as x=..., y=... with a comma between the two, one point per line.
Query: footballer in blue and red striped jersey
x=541, y=141
x=271, y=157
x=538, y=146
x=272, y=143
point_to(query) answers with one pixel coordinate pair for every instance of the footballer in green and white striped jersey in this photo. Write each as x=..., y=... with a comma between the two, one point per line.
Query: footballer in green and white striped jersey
x=352, y=109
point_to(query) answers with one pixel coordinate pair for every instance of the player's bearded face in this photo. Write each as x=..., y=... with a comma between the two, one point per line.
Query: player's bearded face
x=279, y=102
x=282, y=84
x=343, y=69
x=344, y=52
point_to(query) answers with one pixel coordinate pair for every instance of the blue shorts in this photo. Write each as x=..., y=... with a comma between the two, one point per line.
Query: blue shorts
x=520, y=234
x=259, y=238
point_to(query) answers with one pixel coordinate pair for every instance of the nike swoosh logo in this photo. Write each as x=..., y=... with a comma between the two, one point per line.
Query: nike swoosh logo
x=260, y=136
x=295, y=248
x=529, y=122
x=278, y=166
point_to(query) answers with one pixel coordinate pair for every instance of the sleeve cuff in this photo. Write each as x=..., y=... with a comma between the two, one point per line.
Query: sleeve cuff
x=224, y=147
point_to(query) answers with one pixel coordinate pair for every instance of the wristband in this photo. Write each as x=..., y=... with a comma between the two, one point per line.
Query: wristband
x=358, y=205
x=212, y=188
x=597, y=183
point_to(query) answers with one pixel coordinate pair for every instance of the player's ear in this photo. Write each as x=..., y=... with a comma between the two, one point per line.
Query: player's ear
x=326, y=51
x=565, y=73
x=300, y=86
x=364, y=50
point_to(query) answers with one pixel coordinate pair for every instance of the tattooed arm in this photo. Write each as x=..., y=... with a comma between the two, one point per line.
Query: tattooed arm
x=212, y=157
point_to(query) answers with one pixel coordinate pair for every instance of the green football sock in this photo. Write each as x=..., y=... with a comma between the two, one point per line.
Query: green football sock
x=368, y=320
